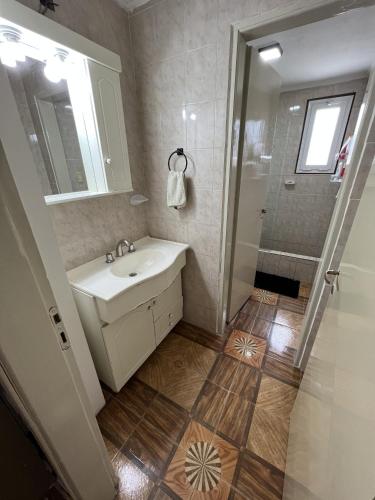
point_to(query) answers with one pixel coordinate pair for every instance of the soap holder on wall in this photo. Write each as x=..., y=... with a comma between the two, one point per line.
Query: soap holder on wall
x=289, y=182
x=137, y=199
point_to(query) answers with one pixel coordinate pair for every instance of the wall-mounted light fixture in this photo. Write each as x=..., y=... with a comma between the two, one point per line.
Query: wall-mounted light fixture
x=11, y=50
x=271, y=52
x=55, y=68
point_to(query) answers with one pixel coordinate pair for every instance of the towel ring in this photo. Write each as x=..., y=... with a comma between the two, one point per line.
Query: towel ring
x=179, y=152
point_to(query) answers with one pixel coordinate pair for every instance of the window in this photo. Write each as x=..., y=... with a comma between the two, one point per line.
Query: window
x=323, y=133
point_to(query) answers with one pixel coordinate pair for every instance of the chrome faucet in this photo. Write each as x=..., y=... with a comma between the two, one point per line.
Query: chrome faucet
x=120, y=247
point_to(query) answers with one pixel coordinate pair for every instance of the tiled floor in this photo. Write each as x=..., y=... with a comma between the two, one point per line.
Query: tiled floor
x=207, y=417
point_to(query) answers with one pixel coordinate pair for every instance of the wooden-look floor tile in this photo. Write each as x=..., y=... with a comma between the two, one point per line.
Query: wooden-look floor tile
x=204, y=468
x=250, y=308
x=289, y=318
x=294, y=305
x=246, y=348
x=223, y=371
x=244, y=322
x=245, y=382
x=234, y=419
x=178, y=369
x=261, y=328
x=282, y=343
x=199, y=335
x=267, y=312
x=117, y=422
x=257, y=480
x=268, y=436
x=264, y=296
x=209, y=405
x=304, y=290
x=167, y=417
x=282, y=371
x=133, y=484
x=136, y=396
x=112, y=448
x=150, y=446
x=161, y=494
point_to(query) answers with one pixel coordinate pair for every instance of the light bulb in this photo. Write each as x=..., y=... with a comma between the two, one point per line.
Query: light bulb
x=11, y=50
x=271, y=52
x=55, y=68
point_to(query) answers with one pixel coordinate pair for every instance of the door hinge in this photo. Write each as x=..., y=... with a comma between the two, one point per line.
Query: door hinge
x=59, y=328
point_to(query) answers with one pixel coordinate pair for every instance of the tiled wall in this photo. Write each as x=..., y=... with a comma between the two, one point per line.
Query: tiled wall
x=177, y=98
x=86, y=229
x=182, y=57
x=298, y=216
x=287, y=265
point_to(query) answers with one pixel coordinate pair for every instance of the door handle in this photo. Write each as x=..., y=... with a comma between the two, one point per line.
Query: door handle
x=263, y=211
x=327, y=278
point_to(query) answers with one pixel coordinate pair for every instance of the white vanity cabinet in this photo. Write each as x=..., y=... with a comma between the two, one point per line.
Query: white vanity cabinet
x=119, y=348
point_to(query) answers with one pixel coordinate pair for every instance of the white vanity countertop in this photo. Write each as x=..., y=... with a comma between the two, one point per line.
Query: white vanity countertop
x=106, y=281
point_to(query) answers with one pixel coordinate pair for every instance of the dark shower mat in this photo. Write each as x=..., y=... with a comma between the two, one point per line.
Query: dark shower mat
x=277, y=284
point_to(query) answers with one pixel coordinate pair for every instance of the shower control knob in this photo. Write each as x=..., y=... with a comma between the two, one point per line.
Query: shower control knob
x=108, y=161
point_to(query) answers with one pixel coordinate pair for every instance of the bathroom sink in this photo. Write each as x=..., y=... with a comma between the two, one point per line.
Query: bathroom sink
x=139, y=263
x=132, y=279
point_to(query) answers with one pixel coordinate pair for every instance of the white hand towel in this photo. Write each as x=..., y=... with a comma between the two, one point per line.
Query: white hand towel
x=176, y=193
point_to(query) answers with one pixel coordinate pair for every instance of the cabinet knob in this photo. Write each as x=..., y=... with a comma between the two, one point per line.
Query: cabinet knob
x=170, y=315
x=153, y=302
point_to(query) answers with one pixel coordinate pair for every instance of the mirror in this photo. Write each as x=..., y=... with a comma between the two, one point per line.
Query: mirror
x=47, y=115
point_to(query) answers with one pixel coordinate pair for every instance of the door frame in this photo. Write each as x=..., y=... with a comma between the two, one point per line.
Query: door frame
x=279, y=19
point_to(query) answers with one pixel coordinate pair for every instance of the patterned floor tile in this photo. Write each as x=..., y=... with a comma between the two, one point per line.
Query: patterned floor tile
x=223, y=371
x=283, y=342
x=209, y=405
x=264, y=296
x=295, y=305
x=246, y=348
x=167, y=417
x=267, y=312
x=261, y=328
x=178, y=369
x=117, y=422
x=251, y=308
x=268, y=436
x=282, y=371
x=234, y=419
x=244, y=322
x=289, y=318
x=204, y=468
x=150, y=447
x=136, y=396
x=256, y=480
x=304, y=290
x=133, y=484
x=199, y=335
x=245, y=382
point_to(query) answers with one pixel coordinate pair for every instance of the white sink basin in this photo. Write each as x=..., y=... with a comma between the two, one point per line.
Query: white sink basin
x=138, y=263
x=132, y=279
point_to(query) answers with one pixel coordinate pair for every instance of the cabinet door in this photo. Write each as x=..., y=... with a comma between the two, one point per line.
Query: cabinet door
x=106, y=92
x=129, y=342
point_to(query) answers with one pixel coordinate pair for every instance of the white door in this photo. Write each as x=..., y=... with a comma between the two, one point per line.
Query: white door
x=337, y=232
x=332, y=440
x=262, y=99
x=36, y=359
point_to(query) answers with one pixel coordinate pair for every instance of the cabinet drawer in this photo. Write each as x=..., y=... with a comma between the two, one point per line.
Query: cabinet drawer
x=168, y=320
x=168, y=298
x=129, y=341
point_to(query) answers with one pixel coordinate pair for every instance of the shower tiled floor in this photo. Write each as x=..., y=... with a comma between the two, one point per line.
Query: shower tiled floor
x=207, y=417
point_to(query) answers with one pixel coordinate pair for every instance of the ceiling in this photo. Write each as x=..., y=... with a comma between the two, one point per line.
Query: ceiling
x=327, y=50
x=130, y=5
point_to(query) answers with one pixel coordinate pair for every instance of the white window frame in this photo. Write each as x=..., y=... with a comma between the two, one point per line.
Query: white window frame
x=344, y=102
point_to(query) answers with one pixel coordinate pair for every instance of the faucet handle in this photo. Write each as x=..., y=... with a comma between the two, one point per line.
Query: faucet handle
x=109, y=258
x=131, y=248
